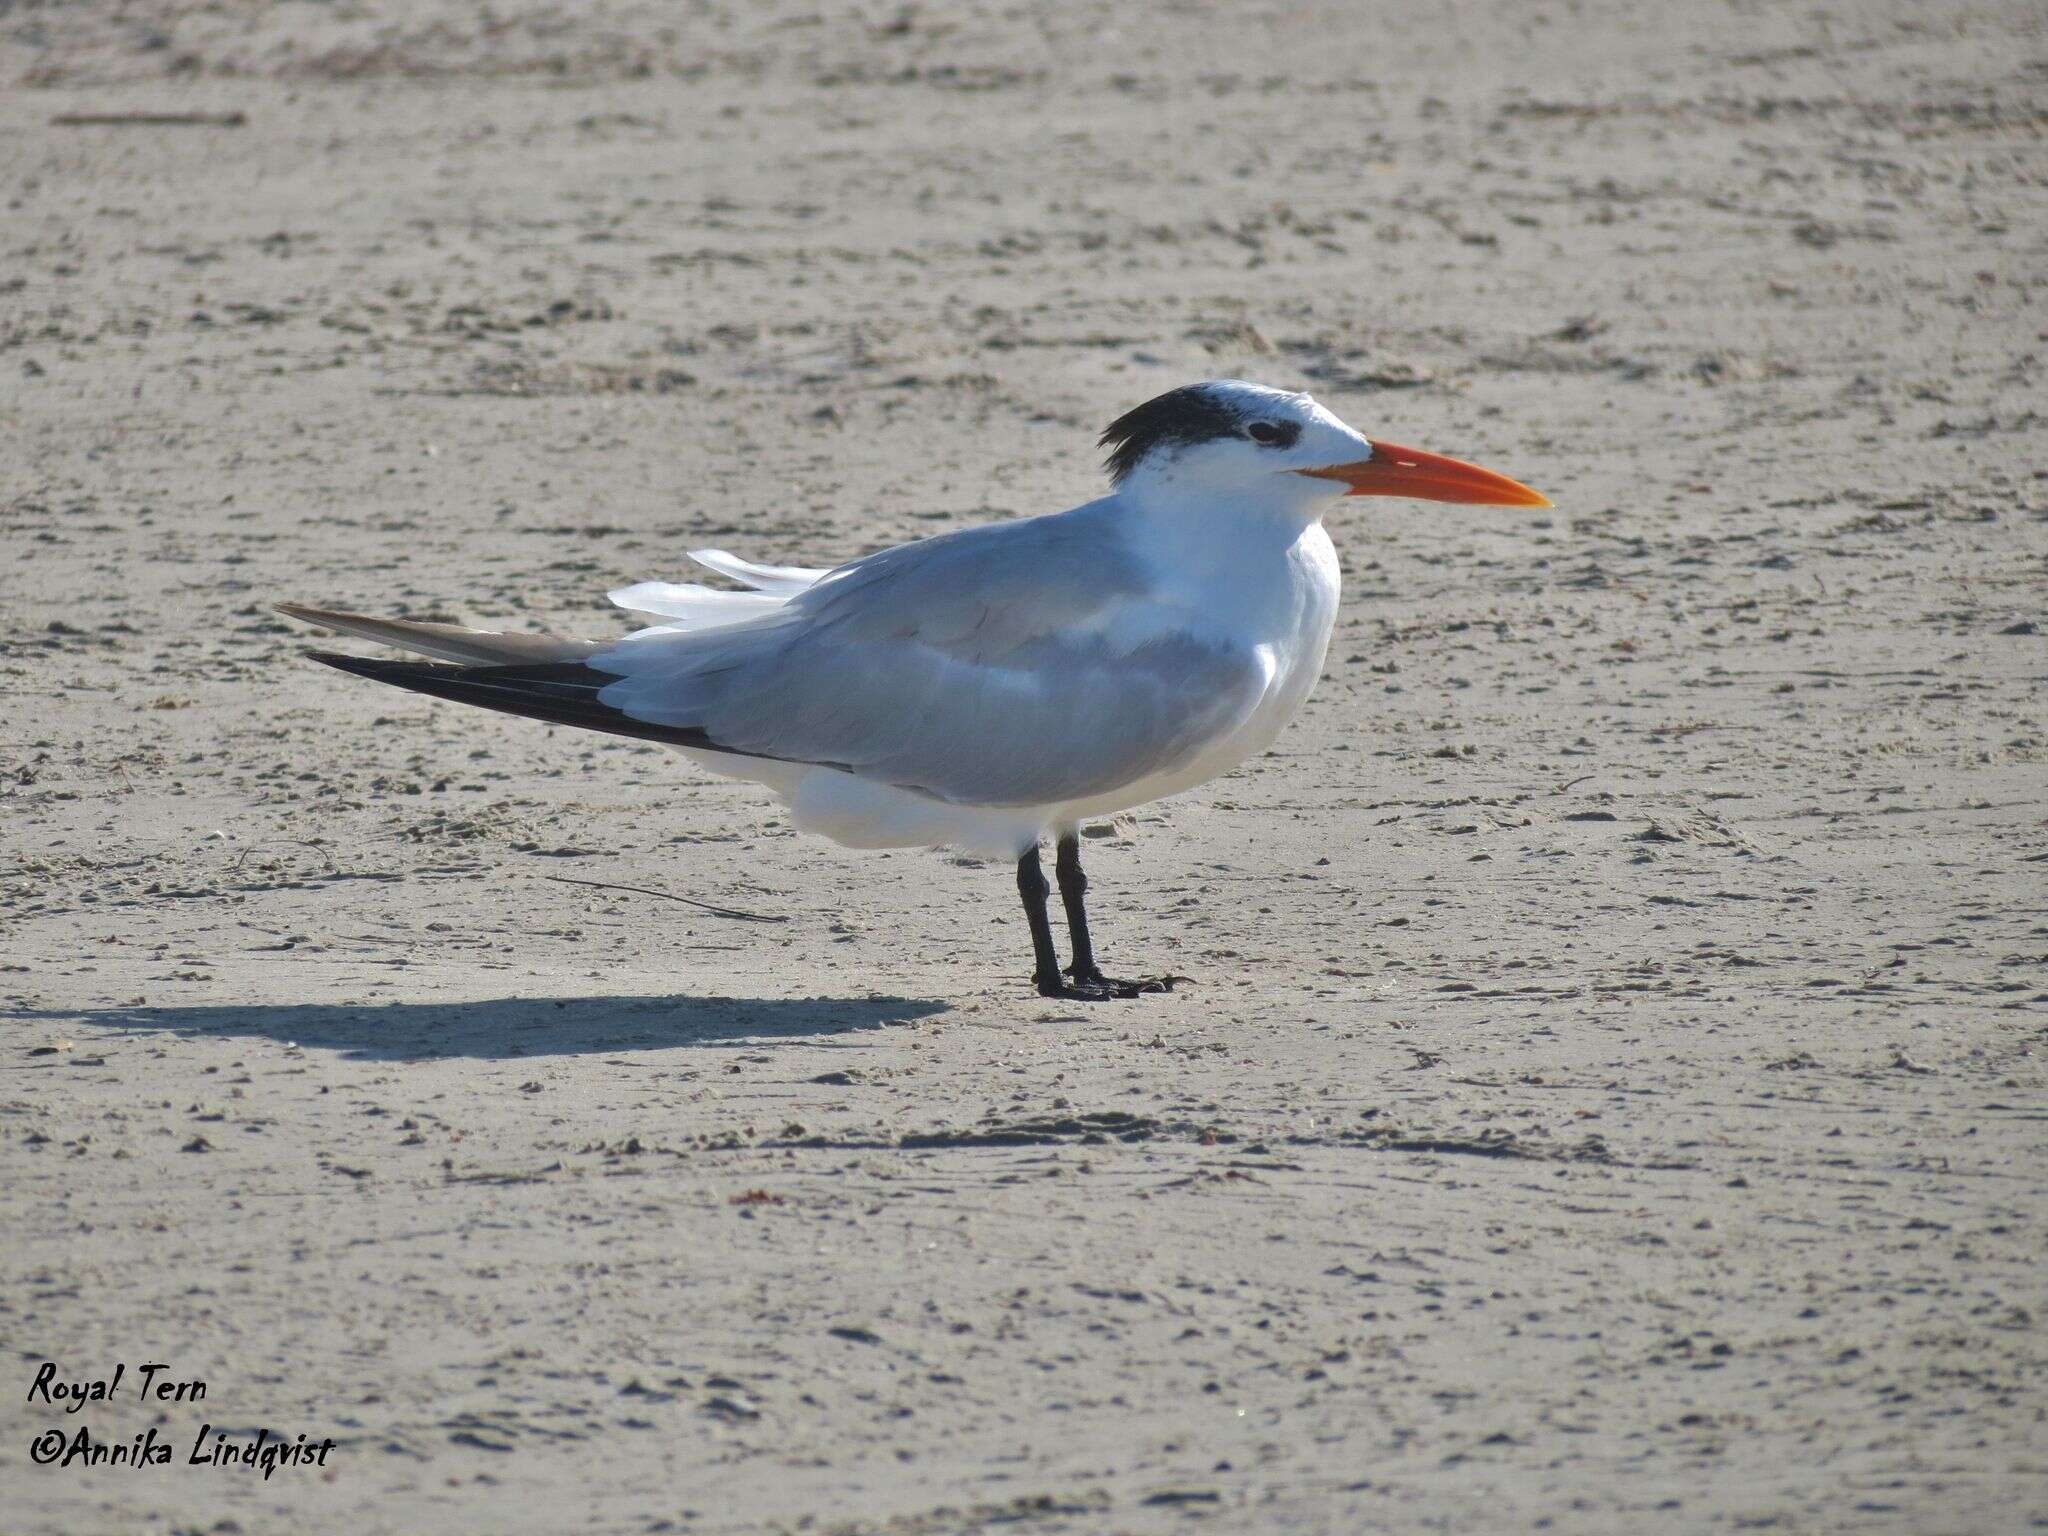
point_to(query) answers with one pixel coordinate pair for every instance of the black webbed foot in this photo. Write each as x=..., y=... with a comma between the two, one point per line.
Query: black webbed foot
x=1117, y=986
x=1091, y=986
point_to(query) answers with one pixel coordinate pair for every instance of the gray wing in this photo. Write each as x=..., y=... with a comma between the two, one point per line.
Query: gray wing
x=1018, y=664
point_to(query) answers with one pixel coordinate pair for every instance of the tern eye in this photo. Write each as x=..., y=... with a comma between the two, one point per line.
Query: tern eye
x=1273, y=434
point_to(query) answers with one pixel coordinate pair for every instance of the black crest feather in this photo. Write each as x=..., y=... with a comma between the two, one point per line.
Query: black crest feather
x=1193, y=413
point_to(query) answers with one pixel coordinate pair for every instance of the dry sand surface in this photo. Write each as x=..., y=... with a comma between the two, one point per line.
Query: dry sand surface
x=1611, y=1095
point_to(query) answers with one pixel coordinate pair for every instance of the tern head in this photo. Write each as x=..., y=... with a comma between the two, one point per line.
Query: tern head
x=1235, y=441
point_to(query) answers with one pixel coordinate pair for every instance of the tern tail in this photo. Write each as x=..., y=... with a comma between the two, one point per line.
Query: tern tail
x=446, y=642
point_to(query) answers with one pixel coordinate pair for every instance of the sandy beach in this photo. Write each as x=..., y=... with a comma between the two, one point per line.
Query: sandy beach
x=1610, y=1093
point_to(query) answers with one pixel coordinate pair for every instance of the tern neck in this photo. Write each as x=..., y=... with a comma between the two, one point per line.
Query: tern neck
x=1281, y=501
x=1196, y=529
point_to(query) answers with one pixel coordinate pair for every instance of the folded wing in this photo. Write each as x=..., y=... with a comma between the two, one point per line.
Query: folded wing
x=1019, y=664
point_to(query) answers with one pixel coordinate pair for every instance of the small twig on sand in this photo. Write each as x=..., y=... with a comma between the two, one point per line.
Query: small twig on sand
x=332, y=867
x=149, y=120
x=605, y=885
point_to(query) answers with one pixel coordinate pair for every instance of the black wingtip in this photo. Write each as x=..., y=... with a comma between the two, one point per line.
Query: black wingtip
x=559, y=692
x=370, y=666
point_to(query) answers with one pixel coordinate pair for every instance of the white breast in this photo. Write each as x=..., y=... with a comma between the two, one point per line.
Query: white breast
x=1282, y=598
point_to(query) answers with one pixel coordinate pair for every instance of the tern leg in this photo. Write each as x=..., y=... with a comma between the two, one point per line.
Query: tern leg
x=1045, y=973
x=1088, y=984
x=1073, y=895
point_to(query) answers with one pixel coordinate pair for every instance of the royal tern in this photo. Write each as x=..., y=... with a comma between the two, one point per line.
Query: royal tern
x=990, y=687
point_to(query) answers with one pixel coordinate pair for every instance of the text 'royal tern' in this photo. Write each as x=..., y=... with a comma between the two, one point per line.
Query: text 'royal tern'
x=988, y=687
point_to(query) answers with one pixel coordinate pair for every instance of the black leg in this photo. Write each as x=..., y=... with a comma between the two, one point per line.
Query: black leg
x=1045, y=974
x=1088, y=977
x=1073, y=896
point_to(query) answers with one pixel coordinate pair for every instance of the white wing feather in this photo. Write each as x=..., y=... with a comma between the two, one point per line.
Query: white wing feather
x=784, y=580
x=685, y=606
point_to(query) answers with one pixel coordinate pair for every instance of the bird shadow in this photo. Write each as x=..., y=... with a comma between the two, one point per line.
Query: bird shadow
x=503, y=1028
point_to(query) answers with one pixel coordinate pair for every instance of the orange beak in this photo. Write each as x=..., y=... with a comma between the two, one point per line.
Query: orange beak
x=1396, y=471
